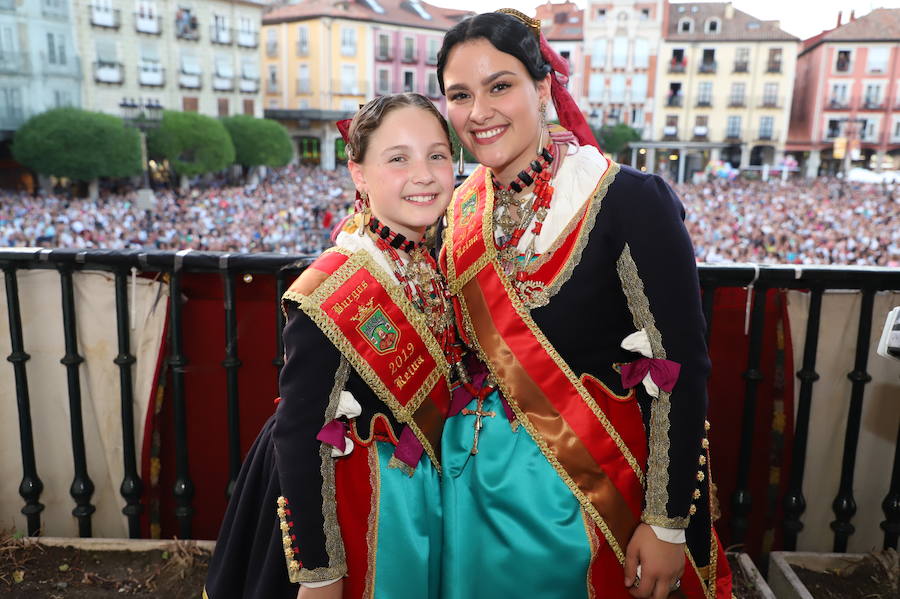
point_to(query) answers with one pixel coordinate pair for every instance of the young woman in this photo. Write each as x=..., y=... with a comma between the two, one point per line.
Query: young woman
x=588, y=474
x=340, y=491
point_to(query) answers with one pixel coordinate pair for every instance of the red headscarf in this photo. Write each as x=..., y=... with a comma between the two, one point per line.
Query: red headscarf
x=570, y=116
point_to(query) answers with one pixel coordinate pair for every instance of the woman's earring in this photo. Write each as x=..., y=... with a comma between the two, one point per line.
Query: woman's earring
x=460, y=164
x=542, y=123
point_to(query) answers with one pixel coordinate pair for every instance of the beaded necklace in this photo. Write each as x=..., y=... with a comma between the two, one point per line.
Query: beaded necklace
x=393, y=239
x=513, y=211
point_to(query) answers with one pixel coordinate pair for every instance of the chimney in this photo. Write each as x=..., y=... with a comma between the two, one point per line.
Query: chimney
x=840, y=16
x=729, y=11
x=852, y=15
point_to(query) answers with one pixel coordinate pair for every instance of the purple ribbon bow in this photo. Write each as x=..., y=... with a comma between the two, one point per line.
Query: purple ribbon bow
x=335, y=434
x=663, y=372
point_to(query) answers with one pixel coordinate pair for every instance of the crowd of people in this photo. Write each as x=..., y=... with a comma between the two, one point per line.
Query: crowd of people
x=292, y=210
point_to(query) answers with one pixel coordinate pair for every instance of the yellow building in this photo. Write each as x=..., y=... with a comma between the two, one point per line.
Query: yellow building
x=724, y=86
x=322, y=59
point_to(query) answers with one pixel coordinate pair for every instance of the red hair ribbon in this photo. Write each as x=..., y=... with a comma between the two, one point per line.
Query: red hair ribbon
x=344, y=127
x=569, y=114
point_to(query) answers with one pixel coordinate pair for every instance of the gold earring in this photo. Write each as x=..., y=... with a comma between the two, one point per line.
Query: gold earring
x=364, y=212
x=542, y=123
x=460, y=164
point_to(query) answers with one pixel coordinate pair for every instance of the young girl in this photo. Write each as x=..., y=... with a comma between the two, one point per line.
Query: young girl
x=576, y=281
x=340, y=491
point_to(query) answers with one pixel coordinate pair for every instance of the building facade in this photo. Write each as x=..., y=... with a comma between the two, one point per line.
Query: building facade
x=621, y=40
x=322, y=59
x=563, y=26
x=724, y=90
x=39, y=65
x=846, y=109
x=186, y=55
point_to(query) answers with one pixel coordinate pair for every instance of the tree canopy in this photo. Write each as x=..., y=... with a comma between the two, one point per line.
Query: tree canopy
x=615, y=138
x=193, y=144
x=78, y=144
x=258, y=142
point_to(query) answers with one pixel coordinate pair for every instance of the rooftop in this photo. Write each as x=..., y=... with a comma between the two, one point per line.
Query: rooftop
x=733, y=24
x=411, y=13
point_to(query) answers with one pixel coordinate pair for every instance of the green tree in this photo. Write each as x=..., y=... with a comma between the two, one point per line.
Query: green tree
x=258, y=142
x=615, y=138
x=78, y=144
x=193, y=144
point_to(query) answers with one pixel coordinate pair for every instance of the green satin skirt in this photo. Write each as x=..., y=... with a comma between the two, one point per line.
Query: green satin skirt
x=512, y=528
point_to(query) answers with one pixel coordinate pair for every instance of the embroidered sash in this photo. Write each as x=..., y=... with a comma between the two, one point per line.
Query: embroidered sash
x=372, y=323
x=568, y=416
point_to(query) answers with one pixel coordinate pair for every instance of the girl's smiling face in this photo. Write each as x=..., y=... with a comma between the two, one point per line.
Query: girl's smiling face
x=407, y=171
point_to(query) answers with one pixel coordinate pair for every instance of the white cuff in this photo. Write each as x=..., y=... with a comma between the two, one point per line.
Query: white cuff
x=669, y=535
x=349, y=407
x=321, y=583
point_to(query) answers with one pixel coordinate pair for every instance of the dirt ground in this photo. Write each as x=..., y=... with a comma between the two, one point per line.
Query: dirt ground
x=874, y=577
x=30, y=571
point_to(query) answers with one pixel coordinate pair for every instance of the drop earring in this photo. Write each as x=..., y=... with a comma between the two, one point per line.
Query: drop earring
x=460, y=164
x=363, y=209
x=542, y=123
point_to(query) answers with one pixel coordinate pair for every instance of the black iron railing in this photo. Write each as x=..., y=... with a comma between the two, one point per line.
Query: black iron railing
x=122, y=263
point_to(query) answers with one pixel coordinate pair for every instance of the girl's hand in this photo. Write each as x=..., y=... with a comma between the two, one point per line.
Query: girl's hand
x=661, y=563
x=333, y=591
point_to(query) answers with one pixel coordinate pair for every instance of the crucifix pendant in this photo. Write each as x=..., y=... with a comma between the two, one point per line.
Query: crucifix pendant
x=479, y=414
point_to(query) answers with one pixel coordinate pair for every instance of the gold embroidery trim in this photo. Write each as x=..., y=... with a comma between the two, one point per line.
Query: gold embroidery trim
x=657, y=495
x=311, y=305
x=334, y=545
x=594, y=542
x=707, y=589
x=401, y=466
x=372, y=531
x=575, y=258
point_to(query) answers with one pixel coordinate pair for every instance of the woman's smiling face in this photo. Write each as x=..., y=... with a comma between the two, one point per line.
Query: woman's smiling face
x=493, y=104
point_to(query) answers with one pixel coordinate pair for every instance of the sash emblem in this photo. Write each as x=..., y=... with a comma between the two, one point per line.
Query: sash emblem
x=467, y=209
x=376, y=327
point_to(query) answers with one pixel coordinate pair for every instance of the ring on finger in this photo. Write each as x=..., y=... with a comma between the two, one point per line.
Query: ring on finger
x=676, y=585
x=637, y=582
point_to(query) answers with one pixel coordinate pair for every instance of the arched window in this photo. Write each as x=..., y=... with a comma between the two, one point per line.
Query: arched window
x=686, y=25
x=713, y=25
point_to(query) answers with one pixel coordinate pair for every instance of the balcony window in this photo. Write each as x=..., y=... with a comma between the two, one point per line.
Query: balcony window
x=766, y=124
x=219, y=33
x=186, y=24
x=146, y=19
x=384, y=81
x=838, y=97
x=770, y=95
x=104, y=15
x=56, y=49
x=433, y=47
x=704, y=94
x=842, y=63
x=303, y=82
x=249, y=76
x=674, y=98
x=151, y=73
x=13, y=62
x=108, y=72
x=701, y=127
x=738, y=91
x=774, y=63
x=877, y=60
x=190, y=75
x=223, y=78
x=733, y=128
x=678, y=62
x=247, y=35
x=872, y=98
x=384, y=47
x=348, y=83
x=409, y=81
x=302, y=42
x=433, y=89
x=409, y=49
x=272, y=80
x=348, y=41
x=834, y=128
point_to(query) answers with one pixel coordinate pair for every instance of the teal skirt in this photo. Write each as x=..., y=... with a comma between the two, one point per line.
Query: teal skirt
x=511, y=525
x=409, y=530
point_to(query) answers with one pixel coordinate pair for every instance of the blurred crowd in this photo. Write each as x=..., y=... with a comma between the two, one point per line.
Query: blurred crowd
x=293, y=210
x=820, y=221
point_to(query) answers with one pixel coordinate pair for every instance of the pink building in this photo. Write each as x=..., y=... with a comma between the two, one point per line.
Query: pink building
x=847, y=94
x=406, y=37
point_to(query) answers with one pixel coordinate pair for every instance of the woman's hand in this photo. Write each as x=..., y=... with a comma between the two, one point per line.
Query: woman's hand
x=332, y=591
x=661, y=563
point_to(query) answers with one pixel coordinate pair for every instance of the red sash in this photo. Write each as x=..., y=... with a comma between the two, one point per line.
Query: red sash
x=376, y=328
x=569, y=417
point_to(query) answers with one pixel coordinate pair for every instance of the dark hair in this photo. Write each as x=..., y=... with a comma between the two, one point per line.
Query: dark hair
x=370, y=116
x=505, y=32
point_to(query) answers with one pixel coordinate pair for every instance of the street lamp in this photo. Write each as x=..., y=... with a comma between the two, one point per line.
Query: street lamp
x=143, y=116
